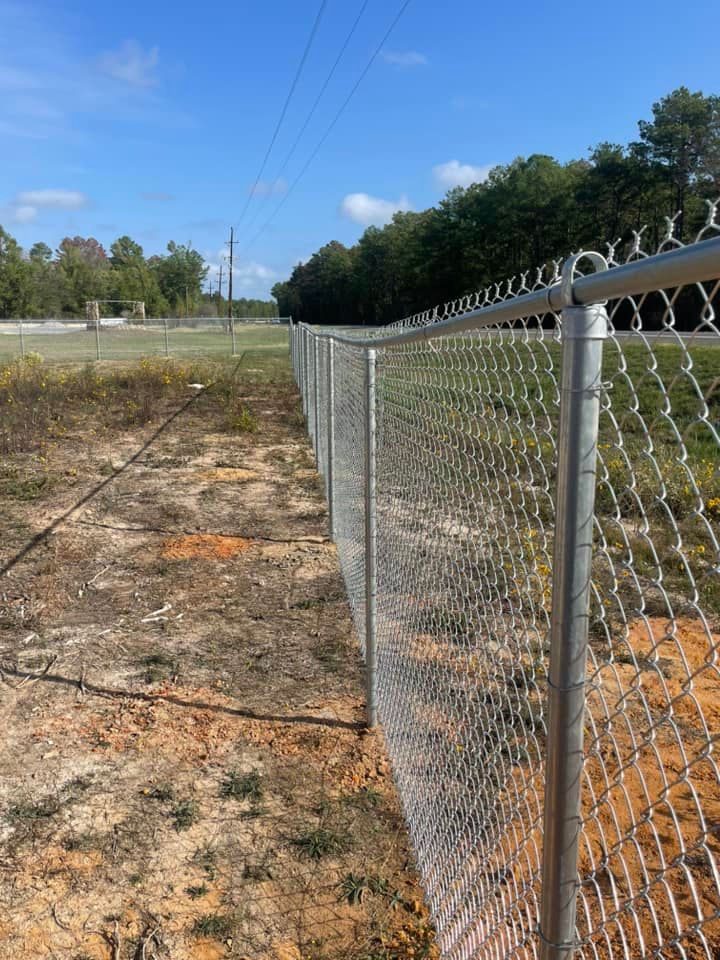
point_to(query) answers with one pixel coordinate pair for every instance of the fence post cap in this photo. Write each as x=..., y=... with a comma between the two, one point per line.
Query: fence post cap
x=567, y=275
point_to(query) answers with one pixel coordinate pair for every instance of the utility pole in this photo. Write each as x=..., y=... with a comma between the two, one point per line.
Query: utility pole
x=219, y=289
x=231, y=243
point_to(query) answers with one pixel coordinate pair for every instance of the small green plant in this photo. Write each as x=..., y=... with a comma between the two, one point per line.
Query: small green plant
x=18, y=486
x=217, y=926
x=184, y=814
x=353, y=887
x=247, y=786
x=205, y=858
x=163, y=792
x=239, y=419
x=319, y=843
x=197, y=891
x=34, y=810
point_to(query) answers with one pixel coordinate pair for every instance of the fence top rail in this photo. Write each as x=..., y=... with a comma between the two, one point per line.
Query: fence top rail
x=694, y=263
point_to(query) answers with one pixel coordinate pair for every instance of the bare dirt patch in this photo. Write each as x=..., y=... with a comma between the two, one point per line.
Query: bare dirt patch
x=186, y=770
x=227, y=475
x=653, y=810
x=207, y=545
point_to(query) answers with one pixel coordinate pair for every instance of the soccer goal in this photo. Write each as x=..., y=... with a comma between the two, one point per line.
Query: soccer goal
x=133, y=311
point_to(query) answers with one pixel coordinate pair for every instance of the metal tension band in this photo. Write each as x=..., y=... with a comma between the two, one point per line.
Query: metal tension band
x=563, y=945
x=569, y=689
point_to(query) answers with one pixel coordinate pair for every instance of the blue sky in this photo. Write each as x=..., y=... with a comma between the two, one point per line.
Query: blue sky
x=152, y=118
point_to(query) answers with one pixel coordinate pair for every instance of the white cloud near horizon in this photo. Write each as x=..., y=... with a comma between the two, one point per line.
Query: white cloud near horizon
x=367, y=210
x=28, y=203
x=55, y=199
x=456, y=174
x=251, y=273
x=404, y=58
x=131, y=64
x=24, y=214
x=248, y=273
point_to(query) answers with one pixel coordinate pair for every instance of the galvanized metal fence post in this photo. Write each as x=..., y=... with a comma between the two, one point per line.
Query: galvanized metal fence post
x=331, y=435
x=232, y=336
x=22, y=339
x=316, y=388
x=306, y=373
x=370, y=538
x=97, y=336
x=167, y=340
x=584, y=328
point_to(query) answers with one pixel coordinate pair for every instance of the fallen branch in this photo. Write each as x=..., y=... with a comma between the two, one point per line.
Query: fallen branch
x=114, y=941
x=56, y=918
x=157, y=615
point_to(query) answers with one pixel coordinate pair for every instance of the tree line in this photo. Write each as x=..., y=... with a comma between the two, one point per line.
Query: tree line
x=40, y=283
x=524, y=215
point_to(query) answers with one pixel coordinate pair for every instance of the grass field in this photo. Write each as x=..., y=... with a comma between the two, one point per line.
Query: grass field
x=134, y=342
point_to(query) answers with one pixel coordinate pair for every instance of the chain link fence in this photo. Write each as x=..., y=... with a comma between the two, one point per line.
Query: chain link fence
x=73, y=341
x=524, y=490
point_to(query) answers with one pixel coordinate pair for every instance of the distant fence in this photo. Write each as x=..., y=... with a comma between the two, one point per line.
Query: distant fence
x=119, y=339
x=526, y=505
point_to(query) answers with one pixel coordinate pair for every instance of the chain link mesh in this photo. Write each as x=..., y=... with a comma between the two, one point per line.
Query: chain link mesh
x=349, y=477
x=467, y=444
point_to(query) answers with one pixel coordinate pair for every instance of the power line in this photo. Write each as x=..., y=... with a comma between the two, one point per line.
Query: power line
x=315, y=105
x=329, y=130
x=294, y=84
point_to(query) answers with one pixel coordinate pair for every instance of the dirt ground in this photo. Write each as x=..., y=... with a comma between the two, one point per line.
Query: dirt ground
x=186, y=771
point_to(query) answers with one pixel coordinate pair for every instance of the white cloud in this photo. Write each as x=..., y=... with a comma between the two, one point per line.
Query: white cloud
x=51, y=91
x=246, y=273
x=25, y=214
x=367, y=210
x=404, y=58
x=456, y=174
x=131, y=64
x=55, y=199
x=270, y=188
x=249, y=274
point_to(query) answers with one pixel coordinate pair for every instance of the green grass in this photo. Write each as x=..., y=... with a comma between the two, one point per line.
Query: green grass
x=239, y=786
x=184, y=814
x=320, y=842
x=484, y=430
x=132, y=343
x=214, y=926
x=197, y=891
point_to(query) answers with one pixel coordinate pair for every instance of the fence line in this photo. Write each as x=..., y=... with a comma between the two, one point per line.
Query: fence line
x=112, y=339
x=524, y=490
